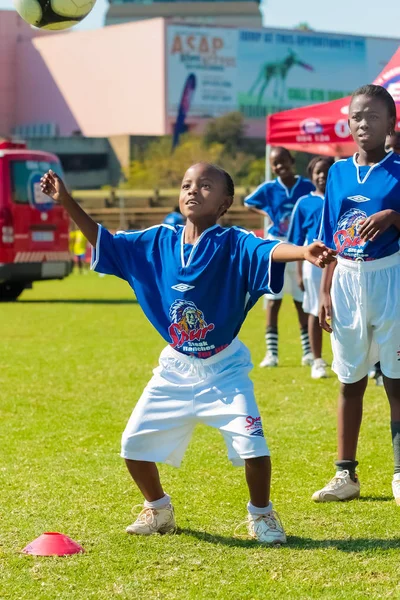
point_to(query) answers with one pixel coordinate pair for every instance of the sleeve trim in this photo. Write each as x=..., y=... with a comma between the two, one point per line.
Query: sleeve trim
x=96, y=251
x=270, y=268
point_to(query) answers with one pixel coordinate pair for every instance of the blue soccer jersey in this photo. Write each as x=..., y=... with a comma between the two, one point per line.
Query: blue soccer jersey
x=196, y=296
x=354, y=193
x=306, y=219
x=278, y=201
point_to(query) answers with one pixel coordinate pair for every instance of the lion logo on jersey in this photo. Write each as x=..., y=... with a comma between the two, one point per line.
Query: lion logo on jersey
x=347, y=234
x=187, y=323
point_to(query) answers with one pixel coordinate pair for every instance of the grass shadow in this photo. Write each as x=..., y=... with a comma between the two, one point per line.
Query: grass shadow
x=299, y=543
x=81, y=301
x=375, y=499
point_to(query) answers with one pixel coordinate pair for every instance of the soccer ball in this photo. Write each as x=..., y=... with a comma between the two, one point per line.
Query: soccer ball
x=53, y=14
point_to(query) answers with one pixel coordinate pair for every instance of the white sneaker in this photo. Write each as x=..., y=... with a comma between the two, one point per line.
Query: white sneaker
x=307, y=360
x=267, y=529
x=269, y=360
x=340, y=487
x=372, y=373
x=318, y=369
x=379, y=381
x=396, y=488
x=151, y=520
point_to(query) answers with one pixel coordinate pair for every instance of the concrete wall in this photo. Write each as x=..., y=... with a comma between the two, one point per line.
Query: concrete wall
x=12, y=29
x=107, y=85
x=38, y=98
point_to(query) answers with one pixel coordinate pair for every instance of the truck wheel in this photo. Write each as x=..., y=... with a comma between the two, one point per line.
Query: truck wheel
x=10, y=291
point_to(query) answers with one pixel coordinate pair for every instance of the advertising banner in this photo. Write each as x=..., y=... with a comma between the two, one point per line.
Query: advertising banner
x=210, y=54
x=263, y=71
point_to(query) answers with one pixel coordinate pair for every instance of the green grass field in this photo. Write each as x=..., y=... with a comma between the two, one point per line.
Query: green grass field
x=75, y=356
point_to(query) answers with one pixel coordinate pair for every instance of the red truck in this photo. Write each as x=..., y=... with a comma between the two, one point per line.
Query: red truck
x=34, y=232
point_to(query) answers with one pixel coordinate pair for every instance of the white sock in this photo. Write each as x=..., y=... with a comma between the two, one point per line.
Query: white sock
x=161, y=503
x=256, y=510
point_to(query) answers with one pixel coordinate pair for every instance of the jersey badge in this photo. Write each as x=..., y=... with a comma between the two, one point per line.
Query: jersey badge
x=182, y=287
x=347, y=234
x=187, y=323
x=359, y=198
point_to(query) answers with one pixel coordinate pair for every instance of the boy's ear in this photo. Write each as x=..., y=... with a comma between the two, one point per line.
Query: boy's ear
x=228, y=203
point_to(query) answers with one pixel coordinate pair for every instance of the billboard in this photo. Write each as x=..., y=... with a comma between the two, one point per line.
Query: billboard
x=262, y=71
x=211, y=55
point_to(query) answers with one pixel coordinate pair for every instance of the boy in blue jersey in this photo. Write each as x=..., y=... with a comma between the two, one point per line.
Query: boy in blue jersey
x=275, y=200
x=361, y=299
x=303, y=229
x=196, y=285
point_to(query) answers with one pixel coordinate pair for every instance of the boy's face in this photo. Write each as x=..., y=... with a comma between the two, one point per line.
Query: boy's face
x=203, y=194
x=320, y=175
x=281, y=164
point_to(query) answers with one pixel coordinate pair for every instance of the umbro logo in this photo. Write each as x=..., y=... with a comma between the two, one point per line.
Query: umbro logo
x=358, y=198
x=182, y=287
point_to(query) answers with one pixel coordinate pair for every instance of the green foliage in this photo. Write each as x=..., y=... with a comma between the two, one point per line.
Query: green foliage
x=227, y=130
x=75, y=356
x=162, y=168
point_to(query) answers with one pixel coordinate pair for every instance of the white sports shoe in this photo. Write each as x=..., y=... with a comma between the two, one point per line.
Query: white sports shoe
x=341, y=487
x=307, y=360
x=379, y=381
x=151, y=520
x=396, y=488
x=266, y=529
x=318, y=369
x=269, y=360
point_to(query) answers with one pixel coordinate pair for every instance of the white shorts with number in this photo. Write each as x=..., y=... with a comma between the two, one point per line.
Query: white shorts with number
x=312, y=276
x=184, y=391
x=366, y=317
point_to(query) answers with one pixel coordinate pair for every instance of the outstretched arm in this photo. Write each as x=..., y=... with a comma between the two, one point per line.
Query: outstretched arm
x=53, y=186
x=317, y=254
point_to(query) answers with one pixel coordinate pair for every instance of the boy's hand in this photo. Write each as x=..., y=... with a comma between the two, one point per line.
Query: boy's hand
x=318, y=254
x=325, y=311
x=52, y=185
x=376, y=224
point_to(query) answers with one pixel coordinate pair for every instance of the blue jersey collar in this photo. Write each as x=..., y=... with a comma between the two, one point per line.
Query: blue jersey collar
x=289, y=192
x=362, y=180
x=190, y=258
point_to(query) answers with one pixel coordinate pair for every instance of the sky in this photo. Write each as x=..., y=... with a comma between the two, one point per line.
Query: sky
x=341, y=16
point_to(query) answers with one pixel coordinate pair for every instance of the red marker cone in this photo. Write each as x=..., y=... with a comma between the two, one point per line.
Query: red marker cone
x=53, y=544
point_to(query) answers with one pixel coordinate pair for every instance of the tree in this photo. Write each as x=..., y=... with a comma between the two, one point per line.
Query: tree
x=304, y=26
x=228, y=131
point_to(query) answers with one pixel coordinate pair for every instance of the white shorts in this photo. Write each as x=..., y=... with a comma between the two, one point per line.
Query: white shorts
x=290, y=285
x=366, y=317
x=312, y=276
x=185, y=391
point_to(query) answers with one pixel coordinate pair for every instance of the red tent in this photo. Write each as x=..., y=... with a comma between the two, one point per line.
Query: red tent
x=322, y=128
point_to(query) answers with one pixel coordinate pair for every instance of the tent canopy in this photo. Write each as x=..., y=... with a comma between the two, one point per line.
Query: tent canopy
x=322, y=128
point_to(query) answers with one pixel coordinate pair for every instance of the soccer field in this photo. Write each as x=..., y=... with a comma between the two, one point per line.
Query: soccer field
x=75, y=356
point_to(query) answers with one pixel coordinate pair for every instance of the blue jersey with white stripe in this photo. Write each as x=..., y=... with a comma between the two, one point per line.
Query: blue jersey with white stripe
x=196, y=296
x=306, y=219
x=354, y=193
x=278, y=201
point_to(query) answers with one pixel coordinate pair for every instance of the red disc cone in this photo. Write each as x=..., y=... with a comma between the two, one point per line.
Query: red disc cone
x=53, y=544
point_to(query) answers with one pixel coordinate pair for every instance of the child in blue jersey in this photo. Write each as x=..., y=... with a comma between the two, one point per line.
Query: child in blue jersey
x=360, y=297
x=276, y=200
x=196, y=285
x=303, y=229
